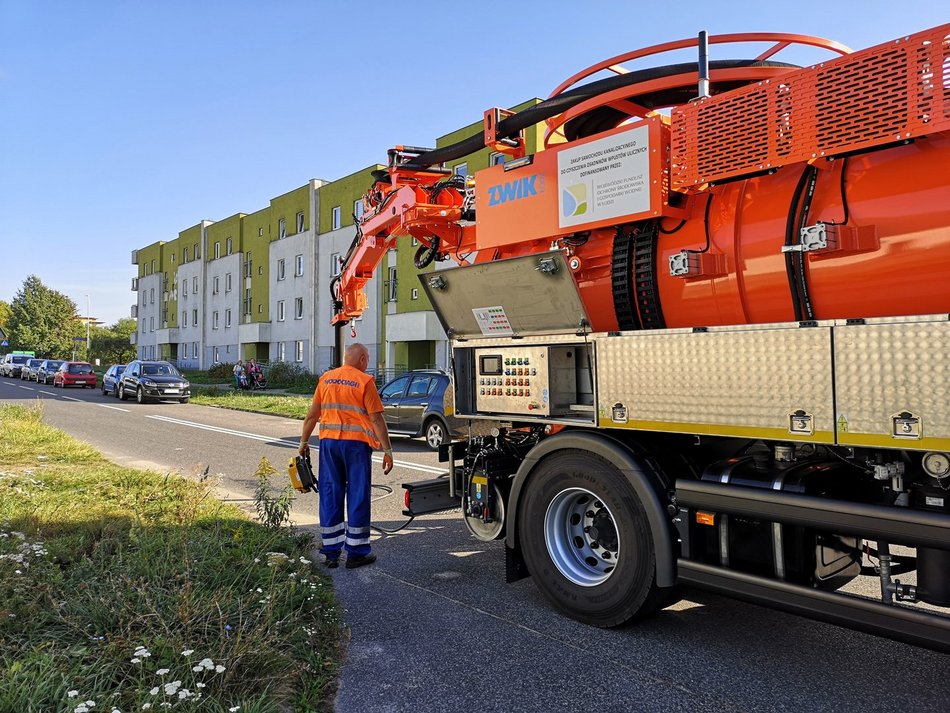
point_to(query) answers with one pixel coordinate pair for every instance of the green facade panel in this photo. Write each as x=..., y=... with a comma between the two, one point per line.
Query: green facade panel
x=255, y=231
x=343, y=193
x=286, y=207
x=219, y=233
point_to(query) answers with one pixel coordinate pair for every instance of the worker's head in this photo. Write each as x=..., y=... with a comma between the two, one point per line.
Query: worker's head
x=357, y=356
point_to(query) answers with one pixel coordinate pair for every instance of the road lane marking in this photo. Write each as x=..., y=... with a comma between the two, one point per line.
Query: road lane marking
x=51, y=393
x=114, y=408
x=28, y=388
x=279, y=442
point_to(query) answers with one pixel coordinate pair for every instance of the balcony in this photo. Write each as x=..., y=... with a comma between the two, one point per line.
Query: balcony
x=135, y=257
x=134, y=338
x=135, y=312
x=166, y=336
x=254, y=332
x=135, y=284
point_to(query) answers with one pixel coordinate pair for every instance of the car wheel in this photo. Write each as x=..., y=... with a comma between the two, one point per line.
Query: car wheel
x=435, y=433
x=120, y=393
x=140, y=395
x=115, y=390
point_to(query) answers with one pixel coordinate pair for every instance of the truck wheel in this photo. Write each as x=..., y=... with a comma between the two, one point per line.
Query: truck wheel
x=586, y=540
x=435, y=433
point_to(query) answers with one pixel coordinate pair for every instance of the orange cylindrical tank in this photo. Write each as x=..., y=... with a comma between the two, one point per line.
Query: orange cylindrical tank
x=901, y=194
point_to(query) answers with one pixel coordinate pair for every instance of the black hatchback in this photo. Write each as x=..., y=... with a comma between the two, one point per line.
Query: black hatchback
x=153, y=380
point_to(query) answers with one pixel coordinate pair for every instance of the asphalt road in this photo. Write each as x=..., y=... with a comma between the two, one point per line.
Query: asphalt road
x=434, y=627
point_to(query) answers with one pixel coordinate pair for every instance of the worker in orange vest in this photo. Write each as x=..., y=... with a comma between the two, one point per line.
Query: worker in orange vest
x=350, y=413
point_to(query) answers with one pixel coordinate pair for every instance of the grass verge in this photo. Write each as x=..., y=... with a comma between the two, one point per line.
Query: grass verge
x=263, y=402
x=127, y=590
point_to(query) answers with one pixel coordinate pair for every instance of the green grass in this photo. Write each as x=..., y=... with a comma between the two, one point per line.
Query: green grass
x=97, y=560
x=260, y=401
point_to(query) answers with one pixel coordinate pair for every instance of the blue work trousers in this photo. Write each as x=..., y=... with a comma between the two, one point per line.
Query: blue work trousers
x=345, y=472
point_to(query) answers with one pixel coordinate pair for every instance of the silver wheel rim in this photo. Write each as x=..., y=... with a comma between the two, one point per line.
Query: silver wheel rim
x=581, y=537
x=435, y=434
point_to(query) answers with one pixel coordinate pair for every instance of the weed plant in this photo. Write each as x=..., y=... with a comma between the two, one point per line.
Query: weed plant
x=126, y=590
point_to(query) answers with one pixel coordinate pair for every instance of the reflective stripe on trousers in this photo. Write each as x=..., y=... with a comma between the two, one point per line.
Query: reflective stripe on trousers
x=345, y=481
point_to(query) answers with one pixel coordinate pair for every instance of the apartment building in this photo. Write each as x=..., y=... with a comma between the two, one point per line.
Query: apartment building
x=258, y=285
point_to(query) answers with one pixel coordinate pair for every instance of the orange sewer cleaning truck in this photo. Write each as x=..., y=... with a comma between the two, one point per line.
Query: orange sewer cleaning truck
x=709, y=321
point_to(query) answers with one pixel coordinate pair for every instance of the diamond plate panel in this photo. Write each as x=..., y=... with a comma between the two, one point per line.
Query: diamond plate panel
x=731, y=379
x=882, y=370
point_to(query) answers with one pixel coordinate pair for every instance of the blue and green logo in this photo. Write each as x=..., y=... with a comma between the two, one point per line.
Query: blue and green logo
x=574, y=200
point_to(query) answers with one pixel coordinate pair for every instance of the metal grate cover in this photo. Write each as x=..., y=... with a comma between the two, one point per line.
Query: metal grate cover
x=881, y=95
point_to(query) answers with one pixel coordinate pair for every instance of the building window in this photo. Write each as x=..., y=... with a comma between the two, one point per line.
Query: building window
x=217, y=249
x=391, y=286
x=184, y=288
x=173, y=258
x=335, y=218
x=358, y=208
x=194, y=349
x=194, y=318
x=151, y=324
x=461, y=169
x=281, y=228
x=260, y=269
x=334, y=264
x=280, y=310
x=184, y=350
x=153, y=266
x=281, y=351
x=227, y=282
x=151, y=296
x=184, y=318
x=496, y=158
x=229, y=246
x=194, y=285
x=298, y=308
x=415, y=293
x=227, y=319
x=415, y=241
x=298, y=351
x=300, y=222
x=247, y=300
x=260, y=309
x=214, y=286
x=260, y=232
x=298, y=265
x=280, y=269
x=214, y=320
x=247, y=264
x=217, y=356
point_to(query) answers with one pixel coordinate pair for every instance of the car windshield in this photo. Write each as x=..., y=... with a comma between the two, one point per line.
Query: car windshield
x=53, y=365
x=20, y=359
x=159, y=370
x=80, y=369
x=33, y=363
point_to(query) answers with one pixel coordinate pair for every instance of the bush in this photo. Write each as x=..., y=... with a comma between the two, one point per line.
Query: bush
x=225, y=371
x=283, y=375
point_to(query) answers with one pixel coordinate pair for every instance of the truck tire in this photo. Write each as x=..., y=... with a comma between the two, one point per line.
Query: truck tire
x=586, y=541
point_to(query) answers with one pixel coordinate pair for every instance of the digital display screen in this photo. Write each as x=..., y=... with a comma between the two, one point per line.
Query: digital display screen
x=490, y=365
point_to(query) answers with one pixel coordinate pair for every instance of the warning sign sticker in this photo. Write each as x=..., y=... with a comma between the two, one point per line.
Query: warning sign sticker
x=603, y=179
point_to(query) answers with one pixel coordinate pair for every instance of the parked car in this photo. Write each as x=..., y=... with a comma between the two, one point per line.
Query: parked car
x=45, y=371
x=12, y=364
x=28, y=370
x=418, y=404
x=75, y=373
x=110, y=380
x=147, y=380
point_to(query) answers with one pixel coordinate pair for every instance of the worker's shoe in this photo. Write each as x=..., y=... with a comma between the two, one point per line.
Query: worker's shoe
x=359, y=561
x=331, y=562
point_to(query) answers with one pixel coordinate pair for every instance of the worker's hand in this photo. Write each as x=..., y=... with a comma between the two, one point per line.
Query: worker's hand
x=387, y=462
x=304, y=450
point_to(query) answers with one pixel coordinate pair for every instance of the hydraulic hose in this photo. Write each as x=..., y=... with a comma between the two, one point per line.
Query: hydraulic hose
x=594, y=121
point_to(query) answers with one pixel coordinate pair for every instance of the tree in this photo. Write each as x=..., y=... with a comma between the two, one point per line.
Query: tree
x=111, y=345
x=5, y=314
x=43, y=320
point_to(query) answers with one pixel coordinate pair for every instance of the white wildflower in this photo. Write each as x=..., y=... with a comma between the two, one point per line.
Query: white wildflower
x=135, y=659
x=219, y=669
x=162, y=671
x=91, y=704
x=206, y=663
x=199, y=684
x=172, y=688
x=197, y=669
x=232, y=709
x=116, y=710
x=72, y=694
x=146, y=706
x=184, y=693
x=154, y=691
x=187, y=652
x=81, y=709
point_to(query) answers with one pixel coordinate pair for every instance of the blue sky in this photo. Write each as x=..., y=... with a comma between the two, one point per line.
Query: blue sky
x=122, y=123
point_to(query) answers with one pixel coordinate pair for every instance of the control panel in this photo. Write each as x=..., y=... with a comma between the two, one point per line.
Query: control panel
x=513, y=381
x=554, y=380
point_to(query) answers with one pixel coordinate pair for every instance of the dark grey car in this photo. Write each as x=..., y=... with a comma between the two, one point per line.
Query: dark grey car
x=419, y=404
x=45, y=371
x=29, y=369
x=153, y=380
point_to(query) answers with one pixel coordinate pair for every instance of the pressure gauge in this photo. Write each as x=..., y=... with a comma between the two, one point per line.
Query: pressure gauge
x=936, y=465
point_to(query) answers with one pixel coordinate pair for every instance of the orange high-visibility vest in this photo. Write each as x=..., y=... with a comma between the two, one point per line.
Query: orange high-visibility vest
x=347, y=396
